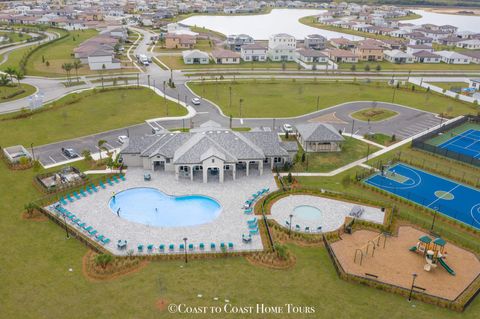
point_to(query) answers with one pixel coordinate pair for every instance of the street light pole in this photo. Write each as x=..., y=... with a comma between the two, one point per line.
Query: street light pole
x=434, y=217
x=290, y=230
x=414, y=275
x=33, y=153
x=66, y=228
x=186, y=258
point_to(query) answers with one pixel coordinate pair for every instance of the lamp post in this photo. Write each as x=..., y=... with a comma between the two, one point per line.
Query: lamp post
x=434, y=217
x=186, y=255
x=66, y=228
x=290, y=229
x=33, y=153
x=414, y=275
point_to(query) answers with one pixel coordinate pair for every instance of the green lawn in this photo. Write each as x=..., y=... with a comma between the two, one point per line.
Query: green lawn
x=373, y=114
x=380, y=138
x=449, y=85
x=176, y=62
x=58, y=53
x=385, y=65
x=9, y=90
x=412, y=16
x=92, y=113
x=15, y=36
x=352, y=150
x=287, y=98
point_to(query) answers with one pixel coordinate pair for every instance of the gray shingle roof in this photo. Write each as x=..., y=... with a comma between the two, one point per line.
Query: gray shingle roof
x=319, y=132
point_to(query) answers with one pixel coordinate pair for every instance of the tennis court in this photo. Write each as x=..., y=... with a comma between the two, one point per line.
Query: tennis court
x=450, y=198
x=467, y=143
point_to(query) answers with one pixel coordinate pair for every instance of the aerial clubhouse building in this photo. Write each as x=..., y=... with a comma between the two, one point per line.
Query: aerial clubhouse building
x=210, y=152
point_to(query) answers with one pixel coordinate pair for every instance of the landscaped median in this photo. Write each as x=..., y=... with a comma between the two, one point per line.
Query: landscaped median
x=288, y=98
x=84, y=113
x=14, y=92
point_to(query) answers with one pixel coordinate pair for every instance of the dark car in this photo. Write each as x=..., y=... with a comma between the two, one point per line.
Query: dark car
x=69, y=152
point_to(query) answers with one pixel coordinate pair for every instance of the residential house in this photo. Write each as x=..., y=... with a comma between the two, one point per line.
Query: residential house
x=473, y=55
x=411, y=49
x=103, y=60
x=474, y=83
x=281, y=47
x=319, y=137
x=471, y=44
x=179, y=41
x=236, y=41
x=253, y=53
x=195, y=57
x=398, y=57
x=426, y=57
x=342, y=43
x=452, y=57
x=221, y=56
x=315, y=41
x=342, y=56
x=311, y=56
x=369, y=52
x=207, y=153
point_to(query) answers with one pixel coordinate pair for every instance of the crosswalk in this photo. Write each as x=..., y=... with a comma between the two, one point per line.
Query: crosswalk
x=416, y=127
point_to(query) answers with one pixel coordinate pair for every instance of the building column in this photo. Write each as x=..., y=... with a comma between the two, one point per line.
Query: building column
x=205, y=175
x=191, y=173
x=221, y=174
x=271, y=163
x=248, y=165
x=234, y=171
x=260, y=167
x=177, y=171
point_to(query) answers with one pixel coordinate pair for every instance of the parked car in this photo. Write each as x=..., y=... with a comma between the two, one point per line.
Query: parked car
x=196, y=101
x=122, y=139
x=69, y=152
x=287, y=128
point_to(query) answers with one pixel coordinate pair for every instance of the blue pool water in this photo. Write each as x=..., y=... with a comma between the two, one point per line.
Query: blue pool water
x=150, y=206
x=307, y=212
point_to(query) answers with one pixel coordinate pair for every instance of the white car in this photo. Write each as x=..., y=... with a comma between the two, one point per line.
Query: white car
x=122, y=139
x=196, y=101
x=287, y=128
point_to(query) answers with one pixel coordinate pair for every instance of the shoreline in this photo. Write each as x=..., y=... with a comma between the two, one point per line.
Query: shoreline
x=460, y=11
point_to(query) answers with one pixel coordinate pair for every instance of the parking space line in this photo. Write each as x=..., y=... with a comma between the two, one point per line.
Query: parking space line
x=52, y=159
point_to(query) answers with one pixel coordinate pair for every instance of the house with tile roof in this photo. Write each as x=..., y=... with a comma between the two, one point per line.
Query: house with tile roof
x=209, y=152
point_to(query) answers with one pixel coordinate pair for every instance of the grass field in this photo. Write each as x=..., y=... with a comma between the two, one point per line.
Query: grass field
x=15, y=36
x=412, y=16
x=373, y=114
x=352, y=150
x=287, y=98
x=58, y=53
x=449, y=85
x=202, y=45
x=380, y=138
x=176, y=62
x=8, y=90
x=89, y=113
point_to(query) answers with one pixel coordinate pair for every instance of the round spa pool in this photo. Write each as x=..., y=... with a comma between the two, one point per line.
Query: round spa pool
x=152, y=207
x=307, y=212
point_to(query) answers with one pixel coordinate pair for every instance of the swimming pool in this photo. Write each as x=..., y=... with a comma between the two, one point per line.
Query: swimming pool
x=307, y=212
x=152, y=207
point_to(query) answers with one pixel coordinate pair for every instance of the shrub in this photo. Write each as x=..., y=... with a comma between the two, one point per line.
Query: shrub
x=282, y=251
x=103, y=260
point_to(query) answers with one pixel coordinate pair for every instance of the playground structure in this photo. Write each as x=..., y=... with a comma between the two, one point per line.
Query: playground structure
x=434, y=253
x=373, y=243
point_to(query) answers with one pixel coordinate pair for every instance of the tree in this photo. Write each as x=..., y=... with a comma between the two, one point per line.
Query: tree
x=67, y=67
x=378, y=68
x=4, y=80
x=101, y=146
x=303, y=157
x=47, y=64
x=11, y=72
x=87, y=155
x=77, y=65
x=353, y=68
x=103, y=260
x=367, y=67
x=19, y=76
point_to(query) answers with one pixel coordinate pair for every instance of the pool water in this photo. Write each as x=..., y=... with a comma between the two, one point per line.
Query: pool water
x=307, y=212
x=152, y=207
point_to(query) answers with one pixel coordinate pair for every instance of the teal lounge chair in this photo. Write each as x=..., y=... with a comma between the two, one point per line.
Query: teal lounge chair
x=102, y=185
x=89, y=190
x=253, y=231
x=181, y=247
x=81, y=224
x=76, y=195
x=122, y=177
x=93, y=232
x=190, y=246
x=171, y=247
x=253, y=226
x=70, y=199
x=201, y=246
x=230, y=245
x=252, y=221
x=161, y=248
x=83, y=193
x=212, y=246
x=100, y=238
x=115, y=179
x=150, y=247
x=109, y=182
x=95, y=189
x=63, y=201
x=248, y=211
x=140, y=248
x=105, y=241
x=88, y=229
x=222, y=246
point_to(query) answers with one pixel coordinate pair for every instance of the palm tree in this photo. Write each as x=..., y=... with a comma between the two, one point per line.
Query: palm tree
x=77, y=65
x=67, y=67
x=11, y=72
x=4, y=80
x=101, y=147
x=19, y=76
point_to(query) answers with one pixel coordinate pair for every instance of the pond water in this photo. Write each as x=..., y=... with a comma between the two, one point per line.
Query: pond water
x=463, y=22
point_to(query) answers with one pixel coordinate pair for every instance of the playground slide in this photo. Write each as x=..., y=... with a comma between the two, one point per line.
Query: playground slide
x=447, y=268
x=413, y=248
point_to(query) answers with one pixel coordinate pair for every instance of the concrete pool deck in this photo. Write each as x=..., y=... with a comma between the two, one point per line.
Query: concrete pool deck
x=332, y=212
x=228, y=227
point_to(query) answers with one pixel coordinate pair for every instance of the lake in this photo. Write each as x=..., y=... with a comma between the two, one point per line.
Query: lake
x=261, y=27
x=462, y=22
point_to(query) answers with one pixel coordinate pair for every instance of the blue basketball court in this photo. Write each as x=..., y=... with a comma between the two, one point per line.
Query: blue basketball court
x=467, y=143
x=450, y=198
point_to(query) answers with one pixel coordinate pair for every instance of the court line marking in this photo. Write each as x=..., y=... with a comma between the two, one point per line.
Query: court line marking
x=472, y=211
x=441, y=197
